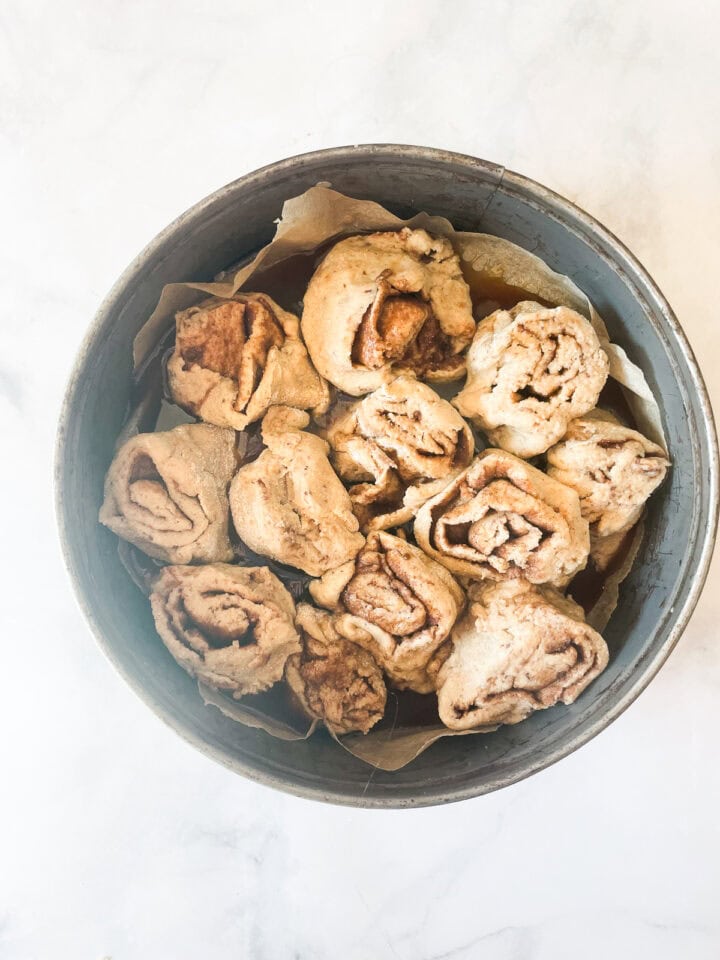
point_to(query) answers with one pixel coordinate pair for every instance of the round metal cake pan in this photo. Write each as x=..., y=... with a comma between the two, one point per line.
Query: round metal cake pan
x=656, y=599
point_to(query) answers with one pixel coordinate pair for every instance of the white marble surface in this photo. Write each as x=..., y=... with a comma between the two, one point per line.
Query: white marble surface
x=117, y=839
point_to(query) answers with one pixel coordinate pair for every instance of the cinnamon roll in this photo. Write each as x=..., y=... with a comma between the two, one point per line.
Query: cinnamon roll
x=289, y=504
x=333, y=679
x=167, y=493
x=236, y=358
x=518, y=649
x=396, y=448
x=387, y=303
x=229, y=626
x=395, y=602
x=502, y=518
x=613, y=469
x=531, y=370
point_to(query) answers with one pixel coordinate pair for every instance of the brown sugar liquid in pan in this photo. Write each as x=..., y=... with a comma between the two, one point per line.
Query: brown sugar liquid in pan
x=489, y=293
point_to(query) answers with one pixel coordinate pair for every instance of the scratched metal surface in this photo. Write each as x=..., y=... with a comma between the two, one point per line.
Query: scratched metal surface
x=657, y=598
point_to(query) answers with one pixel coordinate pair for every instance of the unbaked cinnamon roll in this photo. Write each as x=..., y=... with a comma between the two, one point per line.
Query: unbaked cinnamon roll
x=531, y=370
x=502, y=518
x=289, y=504
x=229, y=626
x=396, y=603
x=167, y=493
x=518, y=649
x=387, y=303
x=613, y=469
x=333, y=679
x=396, y=448
x=236, y=358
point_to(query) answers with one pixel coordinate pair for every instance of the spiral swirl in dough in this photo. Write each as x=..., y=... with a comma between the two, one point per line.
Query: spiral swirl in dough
x=531, y=370
x=519, y=648
x=396, y=602
x=167, y=493
x=502, y=518
x=229, y=626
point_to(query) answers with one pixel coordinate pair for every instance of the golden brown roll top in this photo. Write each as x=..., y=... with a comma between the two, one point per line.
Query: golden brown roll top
x=396, y=448
x=502, y=518
x=235, y=358
x=612, y=468
x=167, y=493
x=334, y=680
x=395, y=602
x=531, y=370
x=229, y=626
x=518, y=649
x=289, y=504
x=387, y=303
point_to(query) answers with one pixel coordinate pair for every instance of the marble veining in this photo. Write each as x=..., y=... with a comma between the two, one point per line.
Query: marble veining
x=117, y=840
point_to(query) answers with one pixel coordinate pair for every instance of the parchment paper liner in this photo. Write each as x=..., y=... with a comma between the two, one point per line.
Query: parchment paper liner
x=309, y=222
